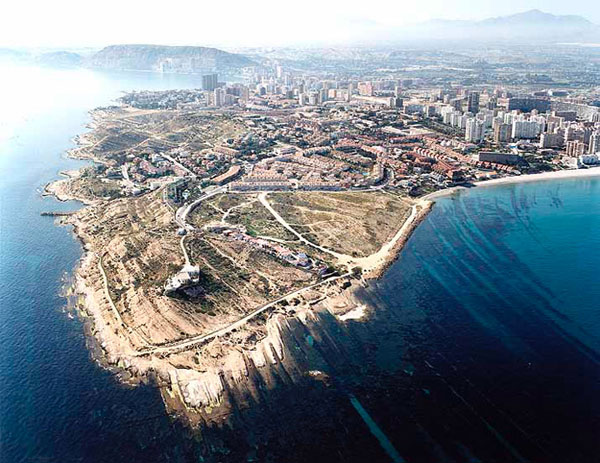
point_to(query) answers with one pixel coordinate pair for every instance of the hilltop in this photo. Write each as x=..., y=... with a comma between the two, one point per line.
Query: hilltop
x=164, y=58
x=154, y=58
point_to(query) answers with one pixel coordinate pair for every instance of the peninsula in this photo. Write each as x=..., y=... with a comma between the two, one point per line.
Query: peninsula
x=220, y=222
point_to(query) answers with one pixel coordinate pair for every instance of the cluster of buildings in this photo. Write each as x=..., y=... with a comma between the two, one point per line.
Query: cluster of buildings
x=318, y=168
x=272, y=92
x=497, y=118
x=340, y=131
x=325, y=130
x=210, y=163
x=296, y=258
x=328, y=132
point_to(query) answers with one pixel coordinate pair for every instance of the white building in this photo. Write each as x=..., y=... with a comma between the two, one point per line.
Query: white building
x=594, y=146
x=525, y=129
x=218, y=97
x=474, y=130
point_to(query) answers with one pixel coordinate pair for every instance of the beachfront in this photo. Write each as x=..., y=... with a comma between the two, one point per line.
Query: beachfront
x=544, y=176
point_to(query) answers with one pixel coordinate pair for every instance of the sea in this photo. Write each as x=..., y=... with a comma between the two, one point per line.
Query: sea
x=481, y=342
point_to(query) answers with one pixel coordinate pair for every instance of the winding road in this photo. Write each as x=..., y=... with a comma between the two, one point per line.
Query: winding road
x=181, y=216
x=189, y=343
x=182, y=213
x=120, y=320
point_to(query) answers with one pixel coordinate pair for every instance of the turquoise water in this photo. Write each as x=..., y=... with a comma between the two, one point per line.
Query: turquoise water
x=489, y=327
x=540, y=242
x=484, y=345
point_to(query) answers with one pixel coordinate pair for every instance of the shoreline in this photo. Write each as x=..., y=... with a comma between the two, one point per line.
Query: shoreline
x=58, y=189
x=193, y=394
x=190, y=392
x=394, y=247
x=195, y=389
x=526, y=178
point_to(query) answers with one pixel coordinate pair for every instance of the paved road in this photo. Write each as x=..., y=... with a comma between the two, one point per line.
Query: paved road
x=180, y=165
x=127, y=180
x=180, y=217
x=107, y=293
x=185, y=253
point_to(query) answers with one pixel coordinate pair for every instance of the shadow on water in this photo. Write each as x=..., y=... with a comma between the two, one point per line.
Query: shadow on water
x=472, y=351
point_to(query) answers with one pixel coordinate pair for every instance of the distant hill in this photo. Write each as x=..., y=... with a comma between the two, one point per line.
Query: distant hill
x=50, y=58
x=538, y=18
x=162, y=58
x=59, y=58
x=14, y=55
x=534, y=25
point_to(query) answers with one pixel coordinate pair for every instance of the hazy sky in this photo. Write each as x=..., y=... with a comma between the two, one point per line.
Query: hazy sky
x=72, y=23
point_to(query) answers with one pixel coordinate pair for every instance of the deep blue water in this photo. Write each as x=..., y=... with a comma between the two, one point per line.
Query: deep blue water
x=55, y=403
x=491, y=314
x=484, y=345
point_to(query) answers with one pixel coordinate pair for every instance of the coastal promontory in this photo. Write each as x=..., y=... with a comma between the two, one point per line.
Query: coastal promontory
x=160, y=58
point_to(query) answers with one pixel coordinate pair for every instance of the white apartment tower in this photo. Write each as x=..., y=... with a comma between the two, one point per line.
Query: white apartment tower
x=474, y=130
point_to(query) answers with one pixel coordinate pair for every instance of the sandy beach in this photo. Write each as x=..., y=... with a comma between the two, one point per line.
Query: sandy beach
x=544, y=176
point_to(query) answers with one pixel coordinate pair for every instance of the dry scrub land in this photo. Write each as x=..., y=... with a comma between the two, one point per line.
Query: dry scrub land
x=352, y=223
x=141, y=250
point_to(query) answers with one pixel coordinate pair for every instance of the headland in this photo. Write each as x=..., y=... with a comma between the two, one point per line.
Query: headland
x=209, y=239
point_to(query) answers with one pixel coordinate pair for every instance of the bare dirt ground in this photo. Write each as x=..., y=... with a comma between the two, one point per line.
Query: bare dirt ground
x=353, y=223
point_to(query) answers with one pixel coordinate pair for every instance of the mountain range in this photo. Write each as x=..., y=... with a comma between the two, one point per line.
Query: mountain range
x=532, y=25
x=529, y=28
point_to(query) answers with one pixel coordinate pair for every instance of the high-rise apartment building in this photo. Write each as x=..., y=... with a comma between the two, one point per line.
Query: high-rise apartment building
x=502, y=133
x=575, y=148
x=473, y=102
x=210, y=82
x=525, y=129
x=551, y=140
x=594, y=146
x=218, y=97
x=365, y=89
x=474, y=130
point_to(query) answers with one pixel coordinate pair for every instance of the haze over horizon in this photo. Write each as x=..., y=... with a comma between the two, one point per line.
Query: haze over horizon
x=65, y=24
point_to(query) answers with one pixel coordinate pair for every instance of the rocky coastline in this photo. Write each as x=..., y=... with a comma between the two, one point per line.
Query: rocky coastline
x=205, y=387
x=200, y=393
